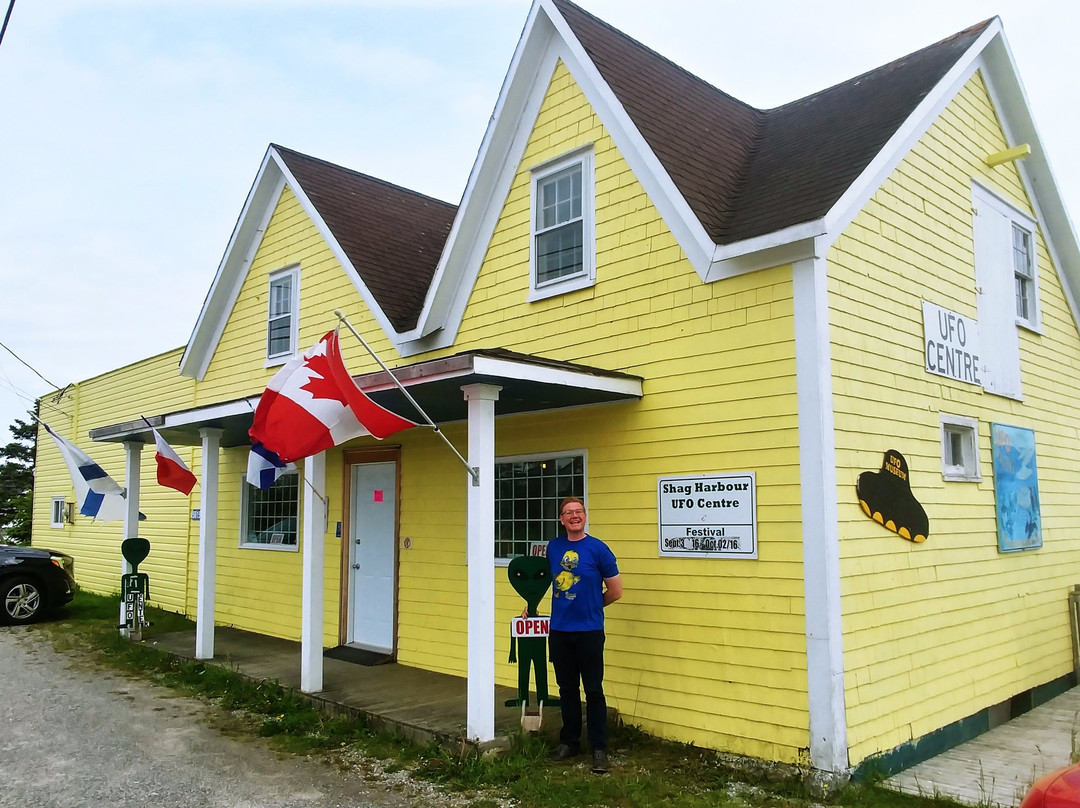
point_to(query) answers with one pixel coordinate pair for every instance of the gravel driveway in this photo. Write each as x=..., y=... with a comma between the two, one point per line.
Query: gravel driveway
x=73, y=734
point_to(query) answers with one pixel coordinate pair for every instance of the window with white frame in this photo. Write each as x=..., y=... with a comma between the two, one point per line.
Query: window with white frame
x=281, y=323
x=1006, y=288
x=960, y=448
x=58, y=512
x=528, y=491
x=1024, y=273
x=270, y=519
x=563, y=239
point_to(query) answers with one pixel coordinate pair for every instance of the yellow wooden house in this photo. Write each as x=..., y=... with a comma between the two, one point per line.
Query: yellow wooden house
x=709, y=320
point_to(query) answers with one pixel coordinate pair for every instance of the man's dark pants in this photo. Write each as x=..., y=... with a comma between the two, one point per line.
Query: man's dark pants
x=578, y=656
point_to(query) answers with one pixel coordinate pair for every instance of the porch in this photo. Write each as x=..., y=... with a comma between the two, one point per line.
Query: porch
x=421, y=705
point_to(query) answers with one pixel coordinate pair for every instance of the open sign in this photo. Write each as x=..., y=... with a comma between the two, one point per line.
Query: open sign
x=529, y=626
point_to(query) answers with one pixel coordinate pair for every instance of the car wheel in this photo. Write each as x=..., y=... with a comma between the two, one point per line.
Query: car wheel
x=21, y=600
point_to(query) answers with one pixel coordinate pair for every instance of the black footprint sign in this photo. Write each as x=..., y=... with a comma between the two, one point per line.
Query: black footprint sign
x=885, y=496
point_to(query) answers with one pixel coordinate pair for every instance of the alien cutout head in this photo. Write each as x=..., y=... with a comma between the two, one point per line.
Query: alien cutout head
x=135, y=551
x=885, y=496
x=530, y=576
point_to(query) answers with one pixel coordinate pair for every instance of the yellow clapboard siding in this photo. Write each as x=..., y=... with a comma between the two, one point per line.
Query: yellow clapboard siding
x=704, y=411
x=936, y=632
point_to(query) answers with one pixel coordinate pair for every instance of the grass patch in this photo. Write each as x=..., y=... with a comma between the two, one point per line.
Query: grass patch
x=647, y=772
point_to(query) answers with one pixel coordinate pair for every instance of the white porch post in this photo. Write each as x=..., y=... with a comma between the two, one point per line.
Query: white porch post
x=208, y=504
x=132, y=472
x=314, y=539
x=480, y=719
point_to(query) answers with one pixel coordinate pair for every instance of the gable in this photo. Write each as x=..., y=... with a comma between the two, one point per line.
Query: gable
x=740, y=189
x=291, y=241
x=386, y=240
x=751, y=189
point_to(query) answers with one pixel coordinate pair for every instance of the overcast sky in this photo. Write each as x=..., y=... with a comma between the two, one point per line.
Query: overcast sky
x=131, y=130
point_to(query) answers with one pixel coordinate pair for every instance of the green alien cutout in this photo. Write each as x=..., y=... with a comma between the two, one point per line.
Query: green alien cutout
x=531, y=577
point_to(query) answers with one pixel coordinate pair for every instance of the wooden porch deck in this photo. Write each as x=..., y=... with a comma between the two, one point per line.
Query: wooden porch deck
x=999, y=766
x=418, y=704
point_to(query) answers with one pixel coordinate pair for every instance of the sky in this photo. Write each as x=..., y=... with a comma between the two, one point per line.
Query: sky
x=131, y=130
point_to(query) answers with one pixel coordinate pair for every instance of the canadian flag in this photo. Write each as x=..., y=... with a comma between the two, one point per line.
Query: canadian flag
x=312, y=403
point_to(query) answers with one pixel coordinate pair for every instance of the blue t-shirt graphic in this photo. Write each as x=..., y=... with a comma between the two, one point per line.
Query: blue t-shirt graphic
x=578, y=570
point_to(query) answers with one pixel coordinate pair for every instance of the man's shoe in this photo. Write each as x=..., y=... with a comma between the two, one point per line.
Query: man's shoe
x=562, y=752
x=599, y=761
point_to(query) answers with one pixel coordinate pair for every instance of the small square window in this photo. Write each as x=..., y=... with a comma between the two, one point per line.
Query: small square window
x=281, y=324
x=58, y=514
x=960, y=448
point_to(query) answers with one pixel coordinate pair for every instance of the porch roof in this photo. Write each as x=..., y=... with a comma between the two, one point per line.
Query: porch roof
x=529, y=384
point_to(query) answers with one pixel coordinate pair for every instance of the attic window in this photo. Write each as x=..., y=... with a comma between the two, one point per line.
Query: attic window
x=281, y=320
x=1024, y=271
x=563, y=242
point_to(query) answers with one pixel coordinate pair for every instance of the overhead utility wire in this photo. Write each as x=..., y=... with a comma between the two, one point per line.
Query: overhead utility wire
x=6, y=348
x=7, y=17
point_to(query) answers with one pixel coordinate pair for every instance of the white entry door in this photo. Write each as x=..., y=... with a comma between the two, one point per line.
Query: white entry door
x=373, y=526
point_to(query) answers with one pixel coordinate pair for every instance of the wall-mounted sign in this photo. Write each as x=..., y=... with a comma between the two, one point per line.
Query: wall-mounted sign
x=1016, y=488
x=952, y=344
x=885, y=496
x=708, y=515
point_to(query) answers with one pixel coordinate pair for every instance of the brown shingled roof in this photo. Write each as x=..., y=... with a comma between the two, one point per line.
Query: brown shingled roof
x=392, y=236
x=747, y=172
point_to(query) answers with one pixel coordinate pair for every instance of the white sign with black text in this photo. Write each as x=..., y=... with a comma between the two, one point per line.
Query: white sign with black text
x=708, y=515
x=952, y=344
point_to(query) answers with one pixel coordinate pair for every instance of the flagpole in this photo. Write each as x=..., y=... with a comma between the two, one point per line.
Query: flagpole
x=473, y=472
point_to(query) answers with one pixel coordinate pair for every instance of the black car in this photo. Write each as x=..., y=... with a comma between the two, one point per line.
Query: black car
x=33, y=582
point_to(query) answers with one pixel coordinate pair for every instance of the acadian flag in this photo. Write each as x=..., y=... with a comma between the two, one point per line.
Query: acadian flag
x=172, y=472
x=312, y=403
x=264, y=467
x=99, y=495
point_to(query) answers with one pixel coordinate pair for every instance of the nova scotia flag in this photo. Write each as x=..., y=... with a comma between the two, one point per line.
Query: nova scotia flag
x=99, y=495
x=264, y=467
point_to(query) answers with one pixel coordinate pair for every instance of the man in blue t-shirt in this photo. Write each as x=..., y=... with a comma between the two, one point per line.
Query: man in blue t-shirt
x=586, y=579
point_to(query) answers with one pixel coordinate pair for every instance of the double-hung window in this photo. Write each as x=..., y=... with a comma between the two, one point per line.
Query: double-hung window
x=1024, y=273
x=528, y=491
x=563, y=240
x=58, y=512
x=281, y=325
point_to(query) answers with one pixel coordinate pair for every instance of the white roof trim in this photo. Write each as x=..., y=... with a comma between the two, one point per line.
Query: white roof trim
x=545, y=39
x=259, y=207
x=243, y=243
x=904, y=139
x=990, y=53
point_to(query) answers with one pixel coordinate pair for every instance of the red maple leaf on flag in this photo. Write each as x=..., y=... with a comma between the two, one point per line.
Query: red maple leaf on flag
x=322, y=384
